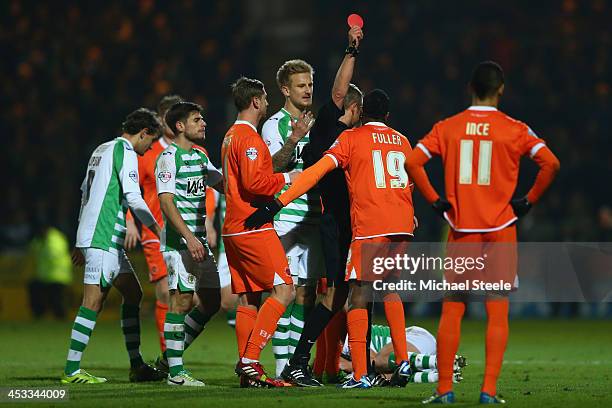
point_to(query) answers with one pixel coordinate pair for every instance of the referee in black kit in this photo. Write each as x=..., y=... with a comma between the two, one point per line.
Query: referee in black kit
x=340, y=113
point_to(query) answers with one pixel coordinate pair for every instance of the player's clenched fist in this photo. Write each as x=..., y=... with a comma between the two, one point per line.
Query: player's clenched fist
x=355, y=35
x=265, y=213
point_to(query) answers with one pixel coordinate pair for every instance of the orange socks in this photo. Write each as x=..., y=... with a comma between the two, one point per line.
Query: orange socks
x=357, y=331
x=449, y=332
x=245, y=321
x=335, y=335
x=496, y=341
x=394, y=311
x=160, y=317
x=320, y=356
x=266, y=322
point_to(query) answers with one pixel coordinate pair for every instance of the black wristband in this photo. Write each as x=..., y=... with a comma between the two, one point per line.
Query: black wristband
x=351, y=50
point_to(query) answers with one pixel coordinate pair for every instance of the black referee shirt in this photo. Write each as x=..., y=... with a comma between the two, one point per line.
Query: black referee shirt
x=334, y=192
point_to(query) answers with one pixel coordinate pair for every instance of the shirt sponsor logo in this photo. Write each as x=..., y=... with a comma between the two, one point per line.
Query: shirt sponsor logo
x=95, y=161
x=133, y=176
x=164, y=176
x=251, y=153
x=195, y=186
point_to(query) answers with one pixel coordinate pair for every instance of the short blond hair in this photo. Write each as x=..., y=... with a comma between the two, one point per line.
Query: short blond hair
x=295, y=66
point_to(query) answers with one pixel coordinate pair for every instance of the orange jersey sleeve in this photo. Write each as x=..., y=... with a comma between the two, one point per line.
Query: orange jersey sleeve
x=308, y=179
x=211, y=205
x=480, y=150
x=146, y=179
x=415, y=163
x=373, y=157
x=248, y=176
x=549, y=166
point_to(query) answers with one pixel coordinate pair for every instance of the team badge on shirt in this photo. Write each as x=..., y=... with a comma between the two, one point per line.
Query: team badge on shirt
x=133, y=176
x=164, y=176
x=251, y=153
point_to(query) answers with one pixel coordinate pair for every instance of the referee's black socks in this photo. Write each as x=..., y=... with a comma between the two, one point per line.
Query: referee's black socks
x=314, y=326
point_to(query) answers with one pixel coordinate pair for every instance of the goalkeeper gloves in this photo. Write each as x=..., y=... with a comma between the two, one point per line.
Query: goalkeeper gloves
x=520, y=206
x=441, y=206
x=265, y=213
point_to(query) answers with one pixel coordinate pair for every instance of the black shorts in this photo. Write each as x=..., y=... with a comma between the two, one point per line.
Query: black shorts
x=335, y=240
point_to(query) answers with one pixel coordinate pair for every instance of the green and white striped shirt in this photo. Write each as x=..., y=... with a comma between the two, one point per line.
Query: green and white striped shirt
x=185, y=174
x=112, y=172
x=307, y=208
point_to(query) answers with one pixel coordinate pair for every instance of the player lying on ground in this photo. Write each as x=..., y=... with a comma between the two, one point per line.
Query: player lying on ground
x=421, y=347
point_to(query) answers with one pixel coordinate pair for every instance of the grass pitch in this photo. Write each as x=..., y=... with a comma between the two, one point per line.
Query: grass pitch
x=548, y=364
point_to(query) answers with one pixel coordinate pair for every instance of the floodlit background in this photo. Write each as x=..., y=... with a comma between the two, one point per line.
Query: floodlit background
x=71, y=72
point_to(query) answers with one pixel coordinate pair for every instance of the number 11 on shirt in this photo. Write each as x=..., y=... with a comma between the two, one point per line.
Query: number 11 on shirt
x=484, y=162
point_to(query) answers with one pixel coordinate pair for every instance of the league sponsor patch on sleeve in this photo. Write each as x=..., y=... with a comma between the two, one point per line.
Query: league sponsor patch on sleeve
x=164, y=176
x=251, y=153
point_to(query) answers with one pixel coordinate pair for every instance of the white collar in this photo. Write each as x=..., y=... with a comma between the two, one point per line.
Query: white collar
x=245, y=122
x=163, y=142
x=127, y=141
x=482, y=108
x=376, y=124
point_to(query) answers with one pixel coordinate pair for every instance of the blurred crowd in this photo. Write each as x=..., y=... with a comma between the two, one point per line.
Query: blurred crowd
x=71, y=72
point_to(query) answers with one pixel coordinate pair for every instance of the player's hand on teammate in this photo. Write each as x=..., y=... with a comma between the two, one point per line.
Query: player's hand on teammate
x=132, y=236
x=196, y=248
x=520, y=206
x=78, y=259
x=265, y=213
x=441, y=206
x=355, y=35
x=293, y=176
x=301, y=126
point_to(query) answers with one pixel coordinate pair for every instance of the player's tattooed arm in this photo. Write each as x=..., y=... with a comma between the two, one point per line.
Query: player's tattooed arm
x=299, y=129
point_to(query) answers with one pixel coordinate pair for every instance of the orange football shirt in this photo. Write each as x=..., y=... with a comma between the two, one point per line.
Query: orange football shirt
x=248, y=176
x=373, y=158
x=481, y=149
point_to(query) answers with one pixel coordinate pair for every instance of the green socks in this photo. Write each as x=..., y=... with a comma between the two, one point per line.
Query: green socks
x=84, y=324
x=174, y=333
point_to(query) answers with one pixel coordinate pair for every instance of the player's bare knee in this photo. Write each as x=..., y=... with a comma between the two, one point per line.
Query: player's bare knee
x=228, y=303
x=93, y=298
x=180, y=302
x=161, y=292
x=284, y=293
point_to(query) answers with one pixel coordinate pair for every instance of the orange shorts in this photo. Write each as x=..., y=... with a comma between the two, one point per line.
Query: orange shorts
x=497, y=250
x=257, y=261
x=354, y=267
x=155, y=261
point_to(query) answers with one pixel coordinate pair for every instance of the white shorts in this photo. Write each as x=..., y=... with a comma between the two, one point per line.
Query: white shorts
x=186, y=275
x=102, y=267
x=225, y=278
x=421, y=339
x=302, y=244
